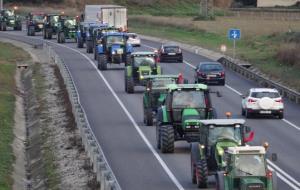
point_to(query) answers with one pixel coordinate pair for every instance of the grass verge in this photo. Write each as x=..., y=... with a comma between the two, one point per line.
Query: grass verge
x=260, y=50
x=9, y=55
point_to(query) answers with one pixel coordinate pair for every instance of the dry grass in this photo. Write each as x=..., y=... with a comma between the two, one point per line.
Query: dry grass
x=289, y=54
x=249, y=26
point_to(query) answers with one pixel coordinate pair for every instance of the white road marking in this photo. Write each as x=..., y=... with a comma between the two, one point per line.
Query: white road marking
x=282, y=173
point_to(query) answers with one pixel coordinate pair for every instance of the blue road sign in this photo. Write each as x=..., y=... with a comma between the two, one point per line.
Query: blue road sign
x=234, y=34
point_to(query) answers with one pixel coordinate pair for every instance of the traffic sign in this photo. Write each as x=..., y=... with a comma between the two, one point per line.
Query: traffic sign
x=234, y=34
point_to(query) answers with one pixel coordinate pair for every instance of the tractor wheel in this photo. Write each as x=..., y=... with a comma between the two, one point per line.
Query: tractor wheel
x=167, y=139
x=95, y=54
x=3, y=26
x=62, y=37
x=31, y=31
x=274, y=181
x=89, y=48
x=102, y=62
x=49, y=33
x=128, y=59
x=158, y=135
x=201, y=173
x=129, y=84
x=220, y=181
x=58, y=38
x=44, y=34
x=80, y=42
x=195, y=156
x=149, y=117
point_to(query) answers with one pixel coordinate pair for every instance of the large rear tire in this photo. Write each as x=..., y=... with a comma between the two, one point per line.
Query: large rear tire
x=95, y=53
x=49, y=33
x=3, y=26
x=102, y=62
x=148, y=116
x=80, y=42
x=89, y=48
x=202, y=173
x=167, y=138
x=129, y=84
x=195, y=156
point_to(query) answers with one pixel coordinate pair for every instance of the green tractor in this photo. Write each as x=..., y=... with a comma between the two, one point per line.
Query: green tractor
x=142, y=64
x=66, y=29
x=155, y=94
x=216, y=135
x=246, y=168
x=51, y=23
x=178, y=117
x=8, y=18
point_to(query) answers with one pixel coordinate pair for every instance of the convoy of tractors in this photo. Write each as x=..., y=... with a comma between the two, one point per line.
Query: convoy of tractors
x=180, y=111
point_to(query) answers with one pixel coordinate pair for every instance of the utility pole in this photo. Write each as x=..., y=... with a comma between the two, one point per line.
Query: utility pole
x=1, y=4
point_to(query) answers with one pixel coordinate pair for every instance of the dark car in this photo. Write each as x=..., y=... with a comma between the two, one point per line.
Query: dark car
x=210, y=73
x=170, y=53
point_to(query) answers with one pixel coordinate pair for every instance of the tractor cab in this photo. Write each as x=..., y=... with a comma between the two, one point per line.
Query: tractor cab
x=67, y=27
x=246, y=168
x=51, y=23
x=113, y=49
x=216, y=136
x=8, y=18
x=142, y=64
x=90, y=35
x=183, y=107
x=34, y=23
x=155, y=94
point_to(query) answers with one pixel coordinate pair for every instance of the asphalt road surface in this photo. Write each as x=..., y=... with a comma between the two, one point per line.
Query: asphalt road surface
x=129, y=146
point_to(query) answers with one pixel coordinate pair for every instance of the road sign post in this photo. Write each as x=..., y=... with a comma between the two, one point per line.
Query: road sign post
x=234, y=34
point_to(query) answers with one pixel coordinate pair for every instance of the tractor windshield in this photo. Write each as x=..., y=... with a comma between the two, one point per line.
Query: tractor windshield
x=249, y=165
x=224, y=132
x=70, y=23
x=144, y=61
x=115, y=40
x=38, y=18
x=190, y=99
x=159, y=83
x=9, y=13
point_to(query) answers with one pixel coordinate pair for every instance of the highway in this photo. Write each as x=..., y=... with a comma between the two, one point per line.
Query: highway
x=129, y=146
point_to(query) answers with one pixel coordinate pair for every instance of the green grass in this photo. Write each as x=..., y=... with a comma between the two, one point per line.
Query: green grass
x=8, y=56
x=259, y=50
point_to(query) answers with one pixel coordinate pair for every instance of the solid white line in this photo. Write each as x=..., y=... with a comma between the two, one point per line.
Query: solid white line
x=162, y=163
x=276, y=167
x=284, y=173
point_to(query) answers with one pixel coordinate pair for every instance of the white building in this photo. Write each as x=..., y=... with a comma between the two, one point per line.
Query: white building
x=273, y=3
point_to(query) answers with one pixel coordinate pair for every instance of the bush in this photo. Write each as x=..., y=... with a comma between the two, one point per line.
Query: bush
x=289, y=54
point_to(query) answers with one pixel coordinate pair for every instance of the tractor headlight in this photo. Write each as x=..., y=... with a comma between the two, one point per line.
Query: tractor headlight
x=113, y=53
x=220, y=152
x=188, y=127
x=141, y=77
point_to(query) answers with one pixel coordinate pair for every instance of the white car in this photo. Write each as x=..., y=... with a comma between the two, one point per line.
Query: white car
x=133, y=39
x=264, y=101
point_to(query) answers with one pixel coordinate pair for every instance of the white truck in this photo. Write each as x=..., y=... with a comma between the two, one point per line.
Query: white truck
x=113, y=15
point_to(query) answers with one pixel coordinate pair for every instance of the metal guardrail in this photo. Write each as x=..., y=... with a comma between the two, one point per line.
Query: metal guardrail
x=105, y=176
x=292, y=95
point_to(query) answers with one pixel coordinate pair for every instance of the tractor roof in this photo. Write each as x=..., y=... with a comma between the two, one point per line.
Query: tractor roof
x=160, y=76
x=223, y=121
x=247, y=150
x=114, y=34
x=173, y=87
x=143, y=53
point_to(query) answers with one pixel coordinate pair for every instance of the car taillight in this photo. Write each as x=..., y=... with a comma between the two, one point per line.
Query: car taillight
x=251, y=100
x=201, y=74
x=279, y=101
x=222, y=74
x=179, y=50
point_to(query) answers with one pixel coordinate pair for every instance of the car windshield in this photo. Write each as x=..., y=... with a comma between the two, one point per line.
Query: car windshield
x=115, y=40
x=38, y=18
x=265, y=94
x=171, y=49
x=190, y=99
x=211, y=67
x=249, y=165
x=144, y=61
x=225, y=132
x=162, y=82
